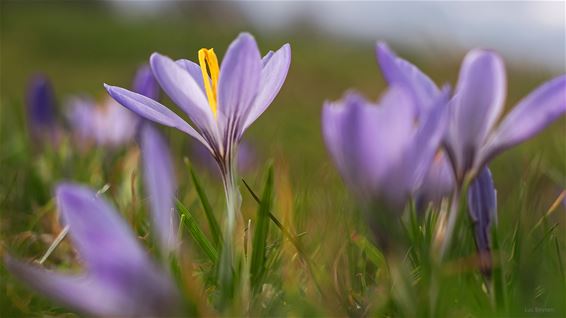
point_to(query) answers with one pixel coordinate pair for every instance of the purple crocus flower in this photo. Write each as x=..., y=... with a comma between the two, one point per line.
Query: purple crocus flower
x=473, y=136
x=221, y=101
x=42, y=119
x=382, y=152
x=482, y=204
x=109, y=124
x=120, y=278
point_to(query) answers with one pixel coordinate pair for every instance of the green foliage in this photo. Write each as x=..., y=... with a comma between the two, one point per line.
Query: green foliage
x=260, y=233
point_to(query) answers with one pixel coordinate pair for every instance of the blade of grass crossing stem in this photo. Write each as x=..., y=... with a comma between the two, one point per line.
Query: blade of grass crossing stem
x=259, y=242
x=498, y=275
x=292, y=238
x=212, y=222
x=196, y=233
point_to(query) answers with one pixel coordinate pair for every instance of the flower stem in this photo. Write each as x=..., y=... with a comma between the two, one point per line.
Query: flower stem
x=233, y=199
x=451, y=224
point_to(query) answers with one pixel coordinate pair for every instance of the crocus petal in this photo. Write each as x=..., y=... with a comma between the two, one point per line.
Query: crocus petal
x=160, y=184
x=129, y=291
x=273, y=74
x=482, y=207
x=399, y=71
x=477, y=103
x=82, y=293
x=239, y=78
x=102, y=238
x=427, y=141
x=534, y=113
x=183, y=90
x=145, y=84
x=152, y=110
x=340, y=123
x=194, y=70
x=438, y=183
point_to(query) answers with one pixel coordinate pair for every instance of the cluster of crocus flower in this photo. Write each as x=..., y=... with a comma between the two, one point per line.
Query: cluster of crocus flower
x=107, y=125
x=417, y=142
x=369, y=142
x=120, y=278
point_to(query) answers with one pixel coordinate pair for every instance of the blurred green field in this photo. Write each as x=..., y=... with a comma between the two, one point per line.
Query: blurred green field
x=80, y=46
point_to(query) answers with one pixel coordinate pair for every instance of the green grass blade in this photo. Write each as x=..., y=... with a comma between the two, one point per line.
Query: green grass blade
x=259, y=243
x=196, y=233
x=212, y=222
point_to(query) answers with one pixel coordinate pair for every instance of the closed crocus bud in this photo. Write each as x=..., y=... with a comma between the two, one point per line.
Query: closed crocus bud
x=41, y=112
x=482, y=206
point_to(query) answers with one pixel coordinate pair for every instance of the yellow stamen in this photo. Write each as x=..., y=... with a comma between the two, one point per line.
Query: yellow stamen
x=209, y=64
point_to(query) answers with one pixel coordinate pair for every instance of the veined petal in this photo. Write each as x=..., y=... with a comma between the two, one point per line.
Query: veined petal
x=399, y=71
x=152, y=110
x=478, y=102
x=160, y=185
x=482, y=206
x=102, y=238
x=181, y=87
x=194, y=70
x=239, y=79
x=145, y=84
x=273, y=74
x=83, y=293
x=534, y=113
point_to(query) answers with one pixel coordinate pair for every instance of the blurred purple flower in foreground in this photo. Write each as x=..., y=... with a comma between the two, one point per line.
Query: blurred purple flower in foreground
x=120, y=277
x=110, y=124
x=382, y=152
x=473, y=138
x=41, y=112
x=160, y=185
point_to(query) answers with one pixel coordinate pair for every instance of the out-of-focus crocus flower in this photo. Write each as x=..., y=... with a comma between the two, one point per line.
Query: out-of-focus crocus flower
x=110, y=124
x=160, y=184
x=221, y=101
x=473, y=136
x=382, y=152
x=482, y=204
x=120, y=277
x=41, y=112
x=438, y=183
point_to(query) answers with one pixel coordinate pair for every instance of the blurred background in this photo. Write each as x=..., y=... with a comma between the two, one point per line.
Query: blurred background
x=79, y=45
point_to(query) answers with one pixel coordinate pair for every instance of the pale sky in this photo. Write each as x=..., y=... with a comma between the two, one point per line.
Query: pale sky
x=531, y=32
